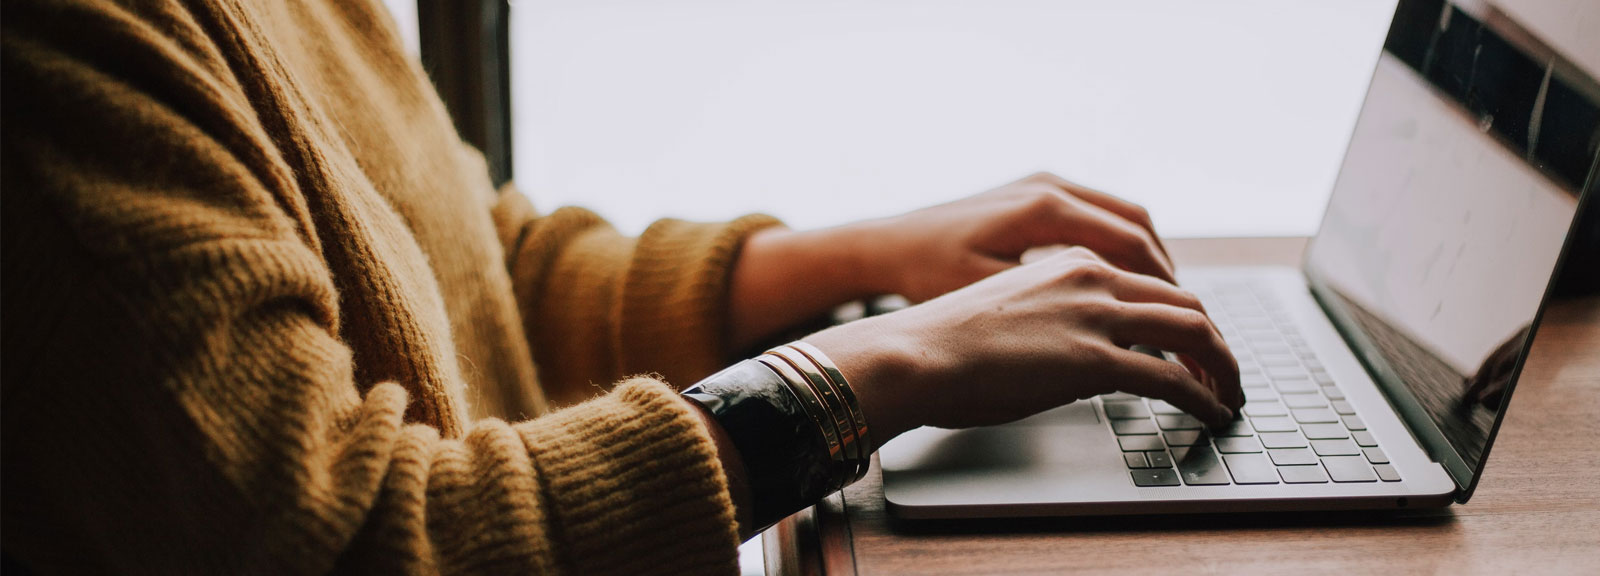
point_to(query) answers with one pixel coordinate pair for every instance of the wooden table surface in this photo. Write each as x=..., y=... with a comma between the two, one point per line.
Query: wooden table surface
x=1536, y=511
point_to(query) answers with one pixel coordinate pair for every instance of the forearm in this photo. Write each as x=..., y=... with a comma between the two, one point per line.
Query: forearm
x=784, y=277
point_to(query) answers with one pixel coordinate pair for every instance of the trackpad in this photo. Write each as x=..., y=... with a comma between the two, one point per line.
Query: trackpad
x=1022, y=461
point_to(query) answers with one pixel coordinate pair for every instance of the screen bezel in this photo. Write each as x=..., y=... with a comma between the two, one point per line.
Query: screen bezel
x=1405, y=403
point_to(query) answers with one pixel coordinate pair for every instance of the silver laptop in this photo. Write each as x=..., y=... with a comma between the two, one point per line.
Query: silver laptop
x=1378, y=373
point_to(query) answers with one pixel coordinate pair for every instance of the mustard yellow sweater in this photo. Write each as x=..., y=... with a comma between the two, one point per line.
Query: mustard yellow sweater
x=265, y=314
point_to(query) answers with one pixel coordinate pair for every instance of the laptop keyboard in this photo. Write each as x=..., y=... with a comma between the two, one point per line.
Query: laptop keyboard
x=1296, y=426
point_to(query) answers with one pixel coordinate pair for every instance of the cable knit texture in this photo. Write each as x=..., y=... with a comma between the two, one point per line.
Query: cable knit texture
x=265, y=314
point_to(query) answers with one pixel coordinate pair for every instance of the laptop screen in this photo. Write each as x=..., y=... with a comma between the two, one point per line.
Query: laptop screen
x=1450, y=211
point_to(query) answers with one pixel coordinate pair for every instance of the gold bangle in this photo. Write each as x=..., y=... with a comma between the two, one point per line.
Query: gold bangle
x=863, y=437
x=818, y=414
x=842, y=419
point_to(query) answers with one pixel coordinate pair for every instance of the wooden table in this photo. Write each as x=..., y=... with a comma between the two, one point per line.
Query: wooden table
x=1536, y=511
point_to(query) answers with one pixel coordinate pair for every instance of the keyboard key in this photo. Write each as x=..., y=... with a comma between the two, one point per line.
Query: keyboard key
x=1135, y=460
x=1250, y=469
x=1283, y=440
x=1252, y=381
x=1118, y=397
x=1349, y=469
x=1126, y=410
x=1321, y=378
x=1364, y=438
x=1162, y=407
x=1303, y=474
x=1127, y=427
x=1199, y=467
x=1292, y=457
x=1304, y=400
x=1159, y=459
x=1187, y=438
x=1335, y=448
x=1354, y=423
x=1324, y=431
x=1294, y=386
x=1255, y=409
x=1254, y=322
x=1155, y=477
x=1343, y=407
x=1375, y=455
x=1178, y=422
x=1387, y=473
x=1272, y=424
x=1278, y=360
x=1315, y=416
x=1280, y=373
x=1239, y=427
x=1259, y=395
x=1332, y=393
x=1238, y=445
x=1141, y=443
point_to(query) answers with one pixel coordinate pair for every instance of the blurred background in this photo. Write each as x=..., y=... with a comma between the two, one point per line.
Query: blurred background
x=1224, y=118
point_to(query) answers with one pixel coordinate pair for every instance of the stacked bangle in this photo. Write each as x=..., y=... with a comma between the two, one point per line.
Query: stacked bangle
x=824, y=378
x=796, y=423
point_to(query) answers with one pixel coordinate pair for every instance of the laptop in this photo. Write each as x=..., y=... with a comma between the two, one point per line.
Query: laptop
x=1376, y=374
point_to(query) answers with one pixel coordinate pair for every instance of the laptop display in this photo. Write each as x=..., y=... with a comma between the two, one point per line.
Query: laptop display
x=1449, y=215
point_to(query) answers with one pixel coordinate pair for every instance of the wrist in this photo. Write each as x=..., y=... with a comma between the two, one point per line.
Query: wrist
x=882, y=367
x=784, y=277
x=868, y=256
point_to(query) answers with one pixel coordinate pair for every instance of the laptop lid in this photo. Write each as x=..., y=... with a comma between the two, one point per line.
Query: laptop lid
x=1452, y=213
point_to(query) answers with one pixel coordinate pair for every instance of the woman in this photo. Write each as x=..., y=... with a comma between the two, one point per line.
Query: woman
x=264, y=313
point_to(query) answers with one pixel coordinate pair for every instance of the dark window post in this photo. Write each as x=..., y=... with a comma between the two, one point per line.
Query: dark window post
x=466, y=51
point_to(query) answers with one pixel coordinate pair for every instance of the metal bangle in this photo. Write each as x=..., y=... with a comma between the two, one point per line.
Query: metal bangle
x=842, y=419
x=818, y=414
x=863, y=435
x=783, y=450
x=847, y=416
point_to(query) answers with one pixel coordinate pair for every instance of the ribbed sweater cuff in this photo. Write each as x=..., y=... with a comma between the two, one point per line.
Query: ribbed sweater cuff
x=675, y=301
x=633, y=485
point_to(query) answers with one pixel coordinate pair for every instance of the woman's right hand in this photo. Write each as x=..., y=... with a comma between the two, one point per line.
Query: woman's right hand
x=1031, y=338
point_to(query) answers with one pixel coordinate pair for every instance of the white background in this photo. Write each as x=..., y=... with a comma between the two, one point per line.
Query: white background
x=1224, y=118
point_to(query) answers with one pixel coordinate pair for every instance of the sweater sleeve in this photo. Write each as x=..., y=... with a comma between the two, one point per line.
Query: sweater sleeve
x=178, y=393
x=598, y=305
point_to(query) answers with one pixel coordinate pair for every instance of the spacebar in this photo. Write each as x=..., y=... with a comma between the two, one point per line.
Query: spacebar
x=1199, y=466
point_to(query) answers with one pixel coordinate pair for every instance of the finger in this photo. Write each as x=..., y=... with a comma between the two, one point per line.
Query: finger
x=1038, y=253
x=1131, y=212
x=1186, y=332
x=1124, y=244
x=1140, y=288
x=1152, y=377
x=1137, y=288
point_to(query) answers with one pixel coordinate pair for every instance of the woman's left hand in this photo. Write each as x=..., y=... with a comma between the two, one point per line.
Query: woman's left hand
x=929, y=252
x=785, y=276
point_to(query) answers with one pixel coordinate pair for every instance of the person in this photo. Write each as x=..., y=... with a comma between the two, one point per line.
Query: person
x=265, y=313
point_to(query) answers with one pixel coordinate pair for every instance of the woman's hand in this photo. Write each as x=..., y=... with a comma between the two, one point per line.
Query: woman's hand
x=926, y=253
x=784, y=277
x=1031, y=338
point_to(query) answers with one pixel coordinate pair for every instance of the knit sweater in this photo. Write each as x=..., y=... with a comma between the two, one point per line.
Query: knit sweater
x=265, y=313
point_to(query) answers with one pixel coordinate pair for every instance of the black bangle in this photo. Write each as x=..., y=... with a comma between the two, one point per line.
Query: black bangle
x=785, y=455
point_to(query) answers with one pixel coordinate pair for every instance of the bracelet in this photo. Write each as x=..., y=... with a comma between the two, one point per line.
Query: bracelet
x=818, y=413
x=841, y=418
x=819, y=374
x=848, y=395
x=786, y=458
x=796, y=423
